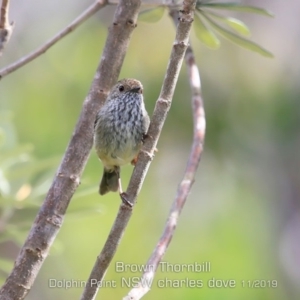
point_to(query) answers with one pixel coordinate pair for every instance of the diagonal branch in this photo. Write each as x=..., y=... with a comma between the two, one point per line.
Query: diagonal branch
x=4, y=13
x=146, y=155
x=186, y=183
x=97, y=5
x=6, y=28
x=50, y=217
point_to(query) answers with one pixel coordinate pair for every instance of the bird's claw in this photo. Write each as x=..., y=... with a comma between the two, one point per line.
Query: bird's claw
x=145, y=136
x=124, y=199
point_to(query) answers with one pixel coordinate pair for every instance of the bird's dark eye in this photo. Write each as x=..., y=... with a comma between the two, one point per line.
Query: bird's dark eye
x=121, y=88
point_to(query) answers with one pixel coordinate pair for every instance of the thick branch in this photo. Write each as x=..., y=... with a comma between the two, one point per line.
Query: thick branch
x=50, y=217
x=6, y=28
x=42, y=49
x=160, y=112
x=186, y=183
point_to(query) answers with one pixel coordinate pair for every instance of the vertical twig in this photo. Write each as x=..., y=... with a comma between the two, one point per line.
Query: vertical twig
x=6, y=28
x=187, y=181
x=50, y=217
x=160, y=112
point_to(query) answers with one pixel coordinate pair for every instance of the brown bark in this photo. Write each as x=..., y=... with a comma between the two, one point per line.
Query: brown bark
x=50, y=217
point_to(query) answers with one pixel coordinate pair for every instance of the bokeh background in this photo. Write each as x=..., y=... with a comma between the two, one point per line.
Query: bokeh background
x=243, y=213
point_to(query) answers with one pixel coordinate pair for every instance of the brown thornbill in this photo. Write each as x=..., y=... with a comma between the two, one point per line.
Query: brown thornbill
x=120, y=128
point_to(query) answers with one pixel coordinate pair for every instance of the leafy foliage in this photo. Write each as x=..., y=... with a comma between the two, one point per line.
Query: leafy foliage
x=207, y=22
x=237, y=29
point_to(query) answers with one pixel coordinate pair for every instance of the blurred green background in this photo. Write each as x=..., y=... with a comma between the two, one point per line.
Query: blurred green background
x=243, y=213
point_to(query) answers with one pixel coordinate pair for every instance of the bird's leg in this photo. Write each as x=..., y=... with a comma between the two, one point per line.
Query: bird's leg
x=145, y=136
x=134, y=161
x=123, y=195
x=117, y=170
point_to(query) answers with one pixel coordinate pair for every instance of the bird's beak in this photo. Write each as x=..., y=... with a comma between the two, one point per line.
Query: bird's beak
x=137, y=89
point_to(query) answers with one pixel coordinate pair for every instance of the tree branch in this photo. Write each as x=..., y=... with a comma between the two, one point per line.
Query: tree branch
x=6, y=28
x=50, y=217
x=97, y=5
x=146, y=155
x=187, y=181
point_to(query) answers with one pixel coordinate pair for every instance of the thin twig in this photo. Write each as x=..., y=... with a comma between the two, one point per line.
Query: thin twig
x=146, y=155
x=97, y=5
x=186, y=183
x=154, y=3
x=4, y=13
x=6, y=28
x=50, y=217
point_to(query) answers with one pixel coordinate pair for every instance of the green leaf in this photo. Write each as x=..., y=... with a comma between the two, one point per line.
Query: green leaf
x=237, y=7
x=204, y=34
x=235, y=24
x=152, y=15
x=238, y=25
x=237, y=39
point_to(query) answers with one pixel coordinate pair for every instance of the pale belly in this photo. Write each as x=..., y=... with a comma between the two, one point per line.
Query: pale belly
x=118, y=159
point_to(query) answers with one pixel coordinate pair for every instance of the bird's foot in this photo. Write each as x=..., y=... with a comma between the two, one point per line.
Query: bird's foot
x=134, y=161
x=145, y=136
x=124, y=197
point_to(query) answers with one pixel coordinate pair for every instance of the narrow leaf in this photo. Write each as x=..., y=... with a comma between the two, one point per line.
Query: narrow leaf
x=235, y=24
x=237, y=39
x=152, y=15
x=238, y=7
x=238, y=26
x=204, y=34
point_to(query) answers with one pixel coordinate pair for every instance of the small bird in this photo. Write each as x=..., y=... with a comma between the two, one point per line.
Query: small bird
x=120, y=129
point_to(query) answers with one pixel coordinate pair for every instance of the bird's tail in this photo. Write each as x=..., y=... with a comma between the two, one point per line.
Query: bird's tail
x=109, y=182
